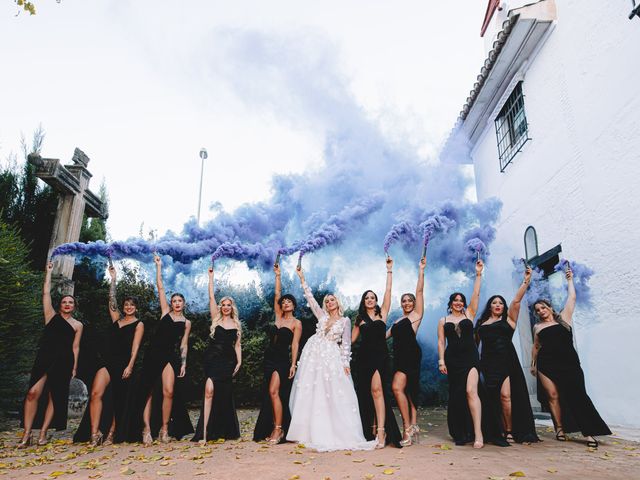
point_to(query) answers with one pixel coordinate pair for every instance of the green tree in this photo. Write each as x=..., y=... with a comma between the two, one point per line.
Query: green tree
x=30, y=206
x=21, y=317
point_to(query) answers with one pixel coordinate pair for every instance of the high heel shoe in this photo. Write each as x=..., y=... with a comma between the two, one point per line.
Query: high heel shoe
x=407, y=442
x=560, y=435
x=593, y=443
x=381, y=444
x=277, y=438
x=415, y=433
x=147, y=439
x=26, y=441
x=109, y=440
x=42, y=441
x=96, y=439
x=163, y=436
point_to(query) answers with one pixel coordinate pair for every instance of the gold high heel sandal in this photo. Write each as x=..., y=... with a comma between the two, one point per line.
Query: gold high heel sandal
x=407, y=442
x=96, y=439
x=164, y=435
x=415, y=433
x=278, y=438
x=382, y=444
x=42, y=441
x=26, y=441
x=147, y=439
x=109, y=440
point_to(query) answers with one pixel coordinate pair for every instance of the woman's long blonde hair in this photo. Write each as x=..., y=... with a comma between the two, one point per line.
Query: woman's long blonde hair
x=340, y=307
x=218, y=318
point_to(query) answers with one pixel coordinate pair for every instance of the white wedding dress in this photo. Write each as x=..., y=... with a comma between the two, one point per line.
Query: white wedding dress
x=323, y=402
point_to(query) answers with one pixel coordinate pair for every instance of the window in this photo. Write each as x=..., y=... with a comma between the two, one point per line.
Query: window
x=530, y=243
x=512, y=129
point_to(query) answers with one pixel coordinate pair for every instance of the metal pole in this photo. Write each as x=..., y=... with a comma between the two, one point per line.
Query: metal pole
x=203, y=156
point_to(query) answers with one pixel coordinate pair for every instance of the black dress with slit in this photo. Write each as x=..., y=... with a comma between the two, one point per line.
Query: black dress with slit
x=163, y=350
x=55, y=360
x=498, y=362
x=373, y=356
x=277, y=359
x=219, y=362
x=558, y=361
x=460, y=357
x=407, y=356
x=118, y=398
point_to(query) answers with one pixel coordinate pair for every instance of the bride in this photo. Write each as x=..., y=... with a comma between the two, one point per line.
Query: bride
x=323, y=403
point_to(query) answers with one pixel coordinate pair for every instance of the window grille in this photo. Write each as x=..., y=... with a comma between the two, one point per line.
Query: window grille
x=512, y=129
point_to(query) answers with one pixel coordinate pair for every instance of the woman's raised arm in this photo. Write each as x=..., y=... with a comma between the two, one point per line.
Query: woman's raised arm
x=514, y=307
x=47, y=306
x=114, y=312
x=472, y=309
x=162, y=297
x=213, y=305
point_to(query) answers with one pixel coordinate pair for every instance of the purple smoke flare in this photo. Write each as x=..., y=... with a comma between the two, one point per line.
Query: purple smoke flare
x=397, y=231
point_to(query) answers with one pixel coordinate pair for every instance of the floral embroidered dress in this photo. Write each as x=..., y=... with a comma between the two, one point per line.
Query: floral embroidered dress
x=323, y=403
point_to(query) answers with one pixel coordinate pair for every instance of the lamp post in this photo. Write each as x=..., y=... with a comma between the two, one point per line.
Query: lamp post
x=203, y=157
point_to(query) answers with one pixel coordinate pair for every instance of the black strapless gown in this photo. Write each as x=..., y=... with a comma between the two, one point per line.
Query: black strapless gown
x=499, y=361
x=163, y=349
x=118, y=398
x=219, y=362
x=460, y=356
x=276, y=359
x=55, y=360
x=373, y=356
x=407, y=356
x=558, y=360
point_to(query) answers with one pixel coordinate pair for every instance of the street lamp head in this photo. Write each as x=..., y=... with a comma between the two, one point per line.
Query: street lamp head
x=203, y=153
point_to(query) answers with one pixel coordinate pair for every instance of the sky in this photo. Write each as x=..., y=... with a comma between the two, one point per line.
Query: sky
x=270, y=89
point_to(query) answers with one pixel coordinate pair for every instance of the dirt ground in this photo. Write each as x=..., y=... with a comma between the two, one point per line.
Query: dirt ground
x=434, y=458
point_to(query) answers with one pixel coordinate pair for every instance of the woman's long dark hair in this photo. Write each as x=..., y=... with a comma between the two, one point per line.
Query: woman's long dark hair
x=486, y=313
x=363, y=316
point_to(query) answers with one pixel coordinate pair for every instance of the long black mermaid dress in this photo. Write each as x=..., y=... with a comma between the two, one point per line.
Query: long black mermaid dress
x=55, y=360
x=558, y=361
x=498, y=362
x=117, y=400
x=219, y=362
x=460, y=357
x=407, y=356
x=276, y=360
x=373, y=356
x=163, y=349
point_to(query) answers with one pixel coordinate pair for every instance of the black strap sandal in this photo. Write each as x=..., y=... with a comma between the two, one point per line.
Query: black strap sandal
x=592, y=443
x=560, y=435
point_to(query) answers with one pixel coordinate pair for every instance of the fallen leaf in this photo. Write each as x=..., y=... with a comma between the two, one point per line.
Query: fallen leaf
x=388, y=471
x=56, y=474
x=164, y=473
x=551, y=470
x=517, y=474
x=358, y=460
x=127, y=471
x=378, y=464
x=294, y=477
x=369, y=476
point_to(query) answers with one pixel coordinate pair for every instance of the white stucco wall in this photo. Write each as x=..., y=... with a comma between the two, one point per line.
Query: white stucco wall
x=578, y=183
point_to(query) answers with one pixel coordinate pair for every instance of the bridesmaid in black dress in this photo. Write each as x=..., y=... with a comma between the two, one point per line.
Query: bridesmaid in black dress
x=110, y=398
x=372, y=366
x=46, y=402
x=407, y=357
x=222, y=360
x=467, y=420
x=561, y=380
x=279, y=367
x=507, y=393
x=159, y=408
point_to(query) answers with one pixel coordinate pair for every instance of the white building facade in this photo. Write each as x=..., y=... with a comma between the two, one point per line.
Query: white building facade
x=553, y=130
